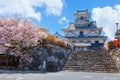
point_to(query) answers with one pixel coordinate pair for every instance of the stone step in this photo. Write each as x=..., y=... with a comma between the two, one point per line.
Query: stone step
x=89, y=61
x=74, y=68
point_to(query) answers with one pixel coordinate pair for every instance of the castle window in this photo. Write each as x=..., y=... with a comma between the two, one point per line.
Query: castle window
x=81, y=41
x=73, y=41
x=96, y=42
x=88, y=41
x=82, y=18
x=81, y=33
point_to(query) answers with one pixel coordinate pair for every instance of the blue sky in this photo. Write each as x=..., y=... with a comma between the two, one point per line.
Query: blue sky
x=57, y=14
x=70, y=8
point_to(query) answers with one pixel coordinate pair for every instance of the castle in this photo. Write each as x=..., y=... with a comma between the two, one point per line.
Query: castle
x=83, y=34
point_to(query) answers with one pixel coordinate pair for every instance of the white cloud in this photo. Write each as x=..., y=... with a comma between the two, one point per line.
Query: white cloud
x=27, y=8
x=54, y=7
x=63, y=20
x=107, y=17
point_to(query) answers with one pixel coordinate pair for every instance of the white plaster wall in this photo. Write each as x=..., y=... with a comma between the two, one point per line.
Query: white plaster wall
x=86, y=32
x=85, y=40
x=77, y=41
x=77, y=33
x=100, y=41
x=92, y=41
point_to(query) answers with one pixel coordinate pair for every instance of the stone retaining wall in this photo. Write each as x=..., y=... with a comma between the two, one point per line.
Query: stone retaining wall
x=115, y=54
x=45, y=59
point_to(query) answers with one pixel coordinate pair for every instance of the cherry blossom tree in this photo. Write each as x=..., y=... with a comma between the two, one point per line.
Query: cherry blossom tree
x=16, y=36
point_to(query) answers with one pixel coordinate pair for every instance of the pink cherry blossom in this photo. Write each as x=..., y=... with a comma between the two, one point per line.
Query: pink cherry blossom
x=16, y=34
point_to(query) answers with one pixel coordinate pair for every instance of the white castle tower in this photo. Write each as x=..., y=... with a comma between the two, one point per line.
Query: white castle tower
x=83, y=33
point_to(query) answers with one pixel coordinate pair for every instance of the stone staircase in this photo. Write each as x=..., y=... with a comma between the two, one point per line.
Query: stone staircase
x=90, y=61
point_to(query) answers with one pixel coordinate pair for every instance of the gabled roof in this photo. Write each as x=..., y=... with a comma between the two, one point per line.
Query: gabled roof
x=92, y=33
x=71, y=26
x=63, y=38
x=70, y=33
x=81, y=12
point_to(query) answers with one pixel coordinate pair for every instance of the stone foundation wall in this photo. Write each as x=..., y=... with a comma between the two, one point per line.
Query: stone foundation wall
x=45, y=59
x=115, y=54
